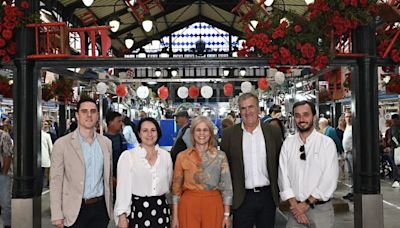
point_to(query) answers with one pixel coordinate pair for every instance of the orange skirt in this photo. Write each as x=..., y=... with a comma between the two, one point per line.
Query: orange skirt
x=201, y=209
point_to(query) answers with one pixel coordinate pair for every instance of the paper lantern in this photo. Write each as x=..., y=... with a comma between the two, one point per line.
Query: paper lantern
x=101, y=88
x=246, y=87
x=228, y=89
x=279, y=77
x=183, y=92
x=193, y=92
x=206, y=92
x=163, y=92
x=142, y=92
x=122, y=90
x=262, y=84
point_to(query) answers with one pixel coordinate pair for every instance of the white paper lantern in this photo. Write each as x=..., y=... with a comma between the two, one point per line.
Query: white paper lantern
x=101, y=88
x=245, y=87
x=206, y=92
x=142, y=92
x=279, y=77
x=183, y=92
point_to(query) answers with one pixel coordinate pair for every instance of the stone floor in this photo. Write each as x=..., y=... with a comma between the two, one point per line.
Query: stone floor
x=391, y=205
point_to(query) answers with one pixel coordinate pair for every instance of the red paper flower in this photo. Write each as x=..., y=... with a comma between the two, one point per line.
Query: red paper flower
x=24, y=4
x=6, y=59
x=7, y=34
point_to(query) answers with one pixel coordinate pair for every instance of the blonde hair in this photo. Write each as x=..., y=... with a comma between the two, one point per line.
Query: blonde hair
x=195, y=122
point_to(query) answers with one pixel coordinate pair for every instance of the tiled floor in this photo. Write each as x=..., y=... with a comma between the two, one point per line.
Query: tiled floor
x=391, y=205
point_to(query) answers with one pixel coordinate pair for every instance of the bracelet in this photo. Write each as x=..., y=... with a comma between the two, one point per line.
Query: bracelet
x=227, y=214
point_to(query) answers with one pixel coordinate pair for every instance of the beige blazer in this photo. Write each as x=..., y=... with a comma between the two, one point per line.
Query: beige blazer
x=232, y=145
x=67, y=177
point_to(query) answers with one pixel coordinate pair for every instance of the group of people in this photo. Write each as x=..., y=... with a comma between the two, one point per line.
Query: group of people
x=244, y=179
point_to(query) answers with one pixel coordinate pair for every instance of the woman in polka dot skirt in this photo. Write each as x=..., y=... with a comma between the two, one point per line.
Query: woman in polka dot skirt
x=144, y=177
x=202, y=186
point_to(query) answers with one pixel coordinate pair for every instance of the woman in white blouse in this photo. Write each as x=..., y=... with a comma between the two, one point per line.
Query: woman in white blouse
x=144, y=177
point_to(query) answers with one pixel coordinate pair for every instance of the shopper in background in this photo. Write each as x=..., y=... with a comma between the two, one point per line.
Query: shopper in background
x=202, y=187
x=182, y=141
x=395, y=142
x=119, y=144
x=348, y=150
x=144, y=178
x=6, y=156
x=129, y=133
x=47, y=147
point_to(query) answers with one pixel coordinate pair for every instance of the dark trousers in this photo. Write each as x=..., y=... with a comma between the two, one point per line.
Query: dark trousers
x=258, y=208
x=92, y=215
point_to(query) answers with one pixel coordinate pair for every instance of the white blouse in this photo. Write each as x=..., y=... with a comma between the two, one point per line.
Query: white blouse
x=136, y=176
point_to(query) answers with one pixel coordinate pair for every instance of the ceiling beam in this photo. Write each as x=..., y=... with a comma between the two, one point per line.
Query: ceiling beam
x=64, y=12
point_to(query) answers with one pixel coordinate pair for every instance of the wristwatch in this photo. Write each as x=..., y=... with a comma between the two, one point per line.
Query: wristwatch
x=309, y=203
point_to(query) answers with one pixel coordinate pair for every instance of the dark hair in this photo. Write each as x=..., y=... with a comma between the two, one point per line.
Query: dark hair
x=395, y=116
x=309, y=103
x=88, y=99
x=149, y=119
x=275, y=108
x=111, y=115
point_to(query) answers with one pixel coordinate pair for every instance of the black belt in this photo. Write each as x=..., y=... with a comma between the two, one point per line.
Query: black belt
x=258, y=189
x=318, y=202
x=92, y=200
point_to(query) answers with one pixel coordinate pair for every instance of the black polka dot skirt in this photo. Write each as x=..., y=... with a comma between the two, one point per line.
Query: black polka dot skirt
x=151, y=212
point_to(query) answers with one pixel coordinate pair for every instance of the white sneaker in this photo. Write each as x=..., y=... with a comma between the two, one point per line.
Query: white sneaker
x=396, y=184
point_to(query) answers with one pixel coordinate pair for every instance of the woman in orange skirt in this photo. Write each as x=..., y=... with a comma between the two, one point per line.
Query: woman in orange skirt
x=202, y=186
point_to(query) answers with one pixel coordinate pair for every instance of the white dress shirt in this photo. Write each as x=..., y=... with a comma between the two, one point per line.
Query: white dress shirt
x=347, y=138
x=316, y=176
x=47, y=147
x=136, y=176
x=254, y=158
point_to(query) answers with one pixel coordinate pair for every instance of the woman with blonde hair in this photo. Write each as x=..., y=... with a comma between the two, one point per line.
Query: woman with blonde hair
x=202, y=187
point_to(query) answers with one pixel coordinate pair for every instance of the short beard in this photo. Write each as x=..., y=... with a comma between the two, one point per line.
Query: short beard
x=310, y=127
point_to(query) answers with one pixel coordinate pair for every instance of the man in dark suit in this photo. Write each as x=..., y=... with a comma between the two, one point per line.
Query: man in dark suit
x=253, y=150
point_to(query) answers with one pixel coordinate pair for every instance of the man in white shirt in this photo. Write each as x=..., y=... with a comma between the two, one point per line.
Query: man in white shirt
x=308, y=172
x=252, y=149
x=348, y=148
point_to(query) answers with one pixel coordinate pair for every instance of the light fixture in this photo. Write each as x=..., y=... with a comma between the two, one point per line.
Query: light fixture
x=88, y=3
x=132, y=2
x=299, y=85
x=386, y=79
x=129, y=41
x=155, y=44
x=253, y=25
x=235, y=52
x=157, y=72
x=114, y=23
x=147, y=23
x=151, y=83
x=269, y=3
x=308, y=2
x=142, y=53
x=164, y=52
x=242, y=72
x=226, y=72
x=174, y=72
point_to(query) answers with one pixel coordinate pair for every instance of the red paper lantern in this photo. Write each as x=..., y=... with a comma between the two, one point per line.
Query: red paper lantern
x=122, y=90
x=228, y=89
x=194, y=92
x=163, y=92
x=262, y=83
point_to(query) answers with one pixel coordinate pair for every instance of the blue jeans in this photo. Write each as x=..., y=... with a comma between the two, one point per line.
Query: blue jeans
x=5, y=199
x=349, y=159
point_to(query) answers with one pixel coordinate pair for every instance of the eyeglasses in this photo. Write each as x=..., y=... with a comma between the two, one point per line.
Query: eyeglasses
x=303, y=153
